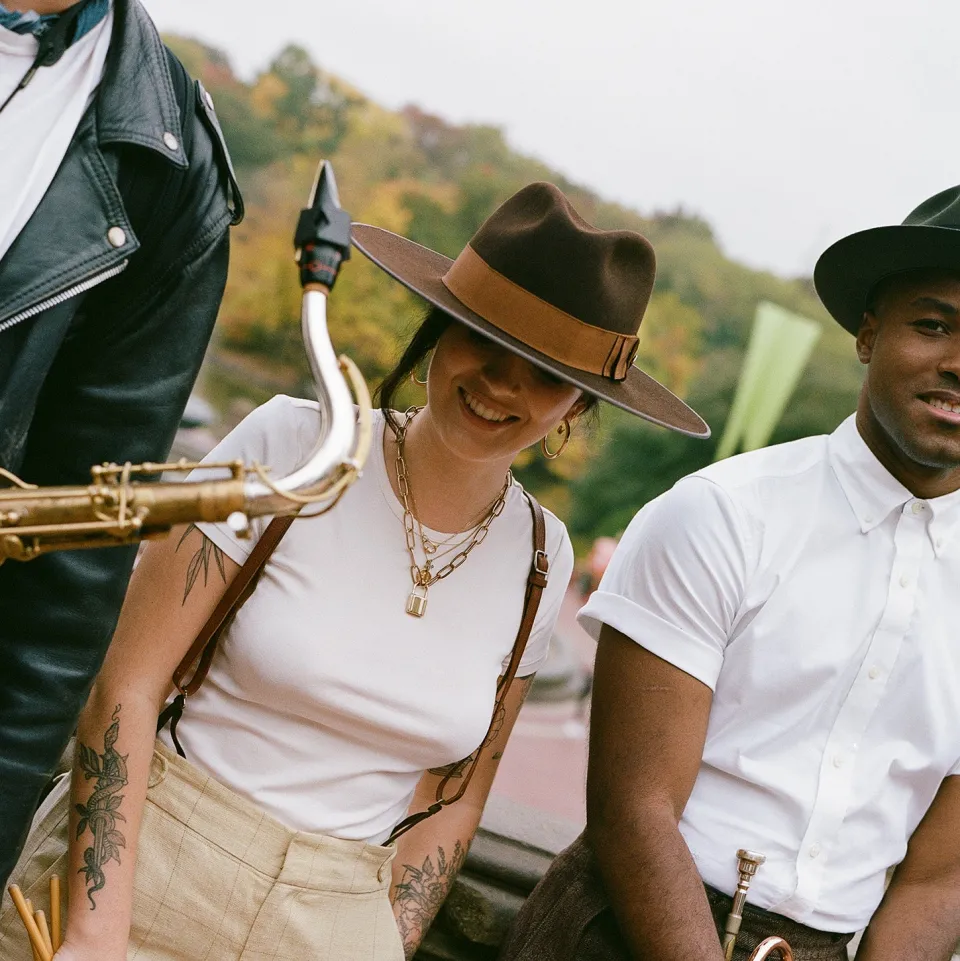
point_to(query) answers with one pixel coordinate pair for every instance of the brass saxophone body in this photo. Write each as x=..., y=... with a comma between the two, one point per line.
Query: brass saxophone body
x=123, y=505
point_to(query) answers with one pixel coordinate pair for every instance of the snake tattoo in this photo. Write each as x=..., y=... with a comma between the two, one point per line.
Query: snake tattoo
x=101, y=812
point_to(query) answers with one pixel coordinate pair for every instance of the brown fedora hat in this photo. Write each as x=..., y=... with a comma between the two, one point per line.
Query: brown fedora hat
x=546, y=285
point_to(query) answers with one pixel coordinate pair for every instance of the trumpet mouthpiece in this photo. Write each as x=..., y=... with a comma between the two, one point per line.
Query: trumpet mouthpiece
x=749, y=861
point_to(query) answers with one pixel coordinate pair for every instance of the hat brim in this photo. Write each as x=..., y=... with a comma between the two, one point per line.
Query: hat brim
x=849, y=269
x=421, y=270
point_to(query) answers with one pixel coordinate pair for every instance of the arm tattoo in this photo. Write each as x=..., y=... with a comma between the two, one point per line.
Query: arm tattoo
x=101, y=812
x=456, y=770
x=201, y=561
x=420, y=893
x=453, y=771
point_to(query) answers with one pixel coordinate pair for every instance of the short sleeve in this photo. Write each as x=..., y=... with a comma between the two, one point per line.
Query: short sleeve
x=279, y=435
x=677, y=579
x=560, y=553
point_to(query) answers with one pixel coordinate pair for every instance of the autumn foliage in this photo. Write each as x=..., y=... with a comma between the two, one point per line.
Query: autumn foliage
x=435, y=182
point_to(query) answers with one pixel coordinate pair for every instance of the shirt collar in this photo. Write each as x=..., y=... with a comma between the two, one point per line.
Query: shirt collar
x=136, y=103
x=874, y=493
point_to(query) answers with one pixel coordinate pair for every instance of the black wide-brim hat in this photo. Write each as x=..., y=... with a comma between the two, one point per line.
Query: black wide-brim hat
x=928, y=239
x=542, y=282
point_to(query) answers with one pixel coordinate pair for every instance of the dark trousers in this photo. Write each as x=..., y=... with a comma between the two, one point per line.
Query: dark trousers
x=568, y=918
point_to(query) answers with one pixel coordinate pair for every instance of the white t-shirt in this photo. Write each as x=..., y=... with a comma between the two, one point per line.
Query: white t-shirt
x=819, y=600
x=37, y=126
x=326, y=701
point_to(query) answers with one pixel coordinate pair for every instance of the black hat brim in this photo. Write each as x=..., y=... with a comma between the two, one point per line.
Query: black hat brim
x=849, y=269
x=421, y=270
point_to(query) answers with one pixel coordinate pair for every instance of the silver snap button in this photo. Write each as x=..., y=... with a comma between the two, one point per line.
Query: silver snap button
x=116, y=237
x=171, y=141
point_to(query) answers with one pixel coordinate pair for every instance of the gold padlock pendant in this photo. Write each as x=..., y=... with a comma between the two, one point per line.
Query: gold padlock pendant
x=417, y=601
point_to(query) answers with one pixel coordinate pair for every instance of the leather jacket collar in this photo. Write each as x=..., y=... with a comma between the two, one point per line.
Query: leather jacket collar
x=136, y=102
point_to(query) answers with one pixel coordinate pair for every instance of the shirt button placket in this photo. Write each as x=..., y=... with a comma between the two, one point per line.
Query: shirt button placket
x=837, y=770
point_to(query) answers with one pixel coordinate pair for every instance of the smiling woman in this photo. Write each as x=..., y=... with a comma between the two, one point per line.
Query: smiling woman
x=365, y=685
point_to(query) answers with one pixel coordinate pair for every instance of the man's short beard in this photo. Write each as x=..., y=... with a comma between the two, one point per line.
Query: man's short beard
x=941, y=458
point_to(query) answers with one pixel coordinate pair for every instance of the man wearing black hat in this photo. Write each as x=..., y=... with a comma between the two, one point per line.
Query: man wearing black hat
x=778, y=666
x=116, y=195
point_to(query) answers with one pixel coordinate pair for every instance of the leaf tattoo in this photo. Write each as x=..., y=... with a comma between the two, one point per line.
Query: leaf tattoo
x=200, y=562
x=101, y=812
x=457, y=770
x=453, y=771
x=420, y=893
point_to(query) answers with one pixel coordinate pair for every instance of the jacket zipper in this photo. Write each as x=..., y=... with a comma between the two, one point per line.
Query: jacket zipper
x=80, y=288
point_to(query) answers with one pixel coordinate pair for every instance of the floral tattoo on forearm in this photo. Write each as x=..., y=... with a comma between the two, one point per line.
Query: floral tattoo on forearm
x=200, y=562
x=101, y=812
x=420, y=892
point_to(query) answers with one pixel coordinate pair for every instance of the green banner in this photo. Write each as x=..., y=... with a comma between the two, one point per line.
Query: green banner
x=780, y=346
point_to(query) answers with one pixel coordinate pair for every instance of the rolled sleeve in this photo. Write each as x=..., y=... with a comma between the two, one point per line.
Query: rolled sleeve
x=677, y=579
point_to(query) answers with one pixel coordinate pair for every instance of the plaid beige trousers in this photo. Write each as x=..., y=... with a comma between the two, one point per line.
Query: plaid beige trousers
x=219, y=880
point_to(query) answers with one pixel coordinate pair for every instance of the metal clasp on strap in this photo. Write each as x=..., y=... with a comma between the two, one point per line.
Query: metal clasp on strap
x=541, y=563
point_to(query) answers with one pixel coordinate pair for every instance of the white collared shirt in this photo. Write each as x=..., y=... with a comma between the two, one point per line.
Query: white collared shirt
x=820, y=601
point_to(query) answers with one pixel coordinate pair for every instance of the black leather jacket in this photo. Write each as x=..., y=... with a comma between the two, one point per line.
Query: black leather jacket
x=107, y=300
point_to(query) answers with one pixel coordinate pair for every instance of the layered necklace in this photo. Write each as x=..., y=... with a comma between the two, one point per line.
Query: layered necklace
x=458, y=545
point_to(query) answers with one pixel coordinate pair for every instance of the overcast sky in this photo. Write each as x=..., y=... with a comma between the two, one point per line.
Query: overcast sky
x=786, y=125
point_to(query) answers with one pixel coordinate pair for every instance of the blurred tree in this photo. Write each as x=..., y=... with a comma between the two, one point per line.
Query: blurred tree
x=436, y=182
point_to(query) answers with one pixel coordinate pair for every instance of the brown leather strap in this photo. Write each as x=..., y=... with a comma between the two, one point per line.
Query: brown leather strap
x=239, y=589
x=536, y=582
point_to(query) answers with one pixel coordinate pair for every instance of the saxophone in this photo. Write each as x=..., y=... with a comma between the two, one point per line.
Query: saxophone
x=122, y=505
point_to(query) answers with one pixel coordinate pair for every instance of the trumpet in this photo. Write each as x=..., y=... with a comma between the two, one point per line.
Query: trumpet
x=747, y=864
x=121, y=505
x=766, y=947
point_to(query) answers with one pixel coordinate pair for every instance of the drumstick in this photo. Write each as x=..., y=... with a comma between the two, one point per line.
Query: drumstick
x=41, y=920
x=56, y=932
x=29, y=904
x=33, y=932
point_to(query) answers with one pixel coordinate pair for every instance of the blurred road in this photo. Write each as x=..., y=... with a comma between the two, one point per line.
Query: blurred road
x=545, y=763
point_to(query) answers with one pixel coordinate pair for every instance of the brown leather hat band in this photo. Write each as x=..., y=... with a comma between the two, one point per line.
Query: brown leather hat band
x=540, y=325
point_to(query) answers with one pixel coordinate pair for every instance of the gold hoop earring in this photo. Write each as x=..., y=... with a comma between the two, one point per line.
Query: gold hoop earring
x=413, y=373
x=564, y=431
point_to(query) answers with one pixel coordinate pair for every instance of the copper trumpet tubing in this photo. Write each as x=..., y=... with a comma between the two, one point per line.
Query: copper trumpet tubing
x=767, y=947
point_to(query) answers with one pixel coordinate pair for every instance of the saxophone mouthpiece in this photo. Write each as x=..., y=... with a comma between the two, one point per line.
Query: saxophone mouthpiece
x=322, y=239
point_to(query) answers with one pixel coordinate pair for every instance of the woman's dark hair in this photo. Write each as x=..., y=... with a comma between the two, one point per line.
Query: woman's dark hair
x=423, y=341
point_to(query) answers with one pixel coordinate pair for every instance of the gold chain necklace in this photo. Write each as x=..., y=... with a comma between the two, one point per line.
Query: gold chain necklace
x=424, y=576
